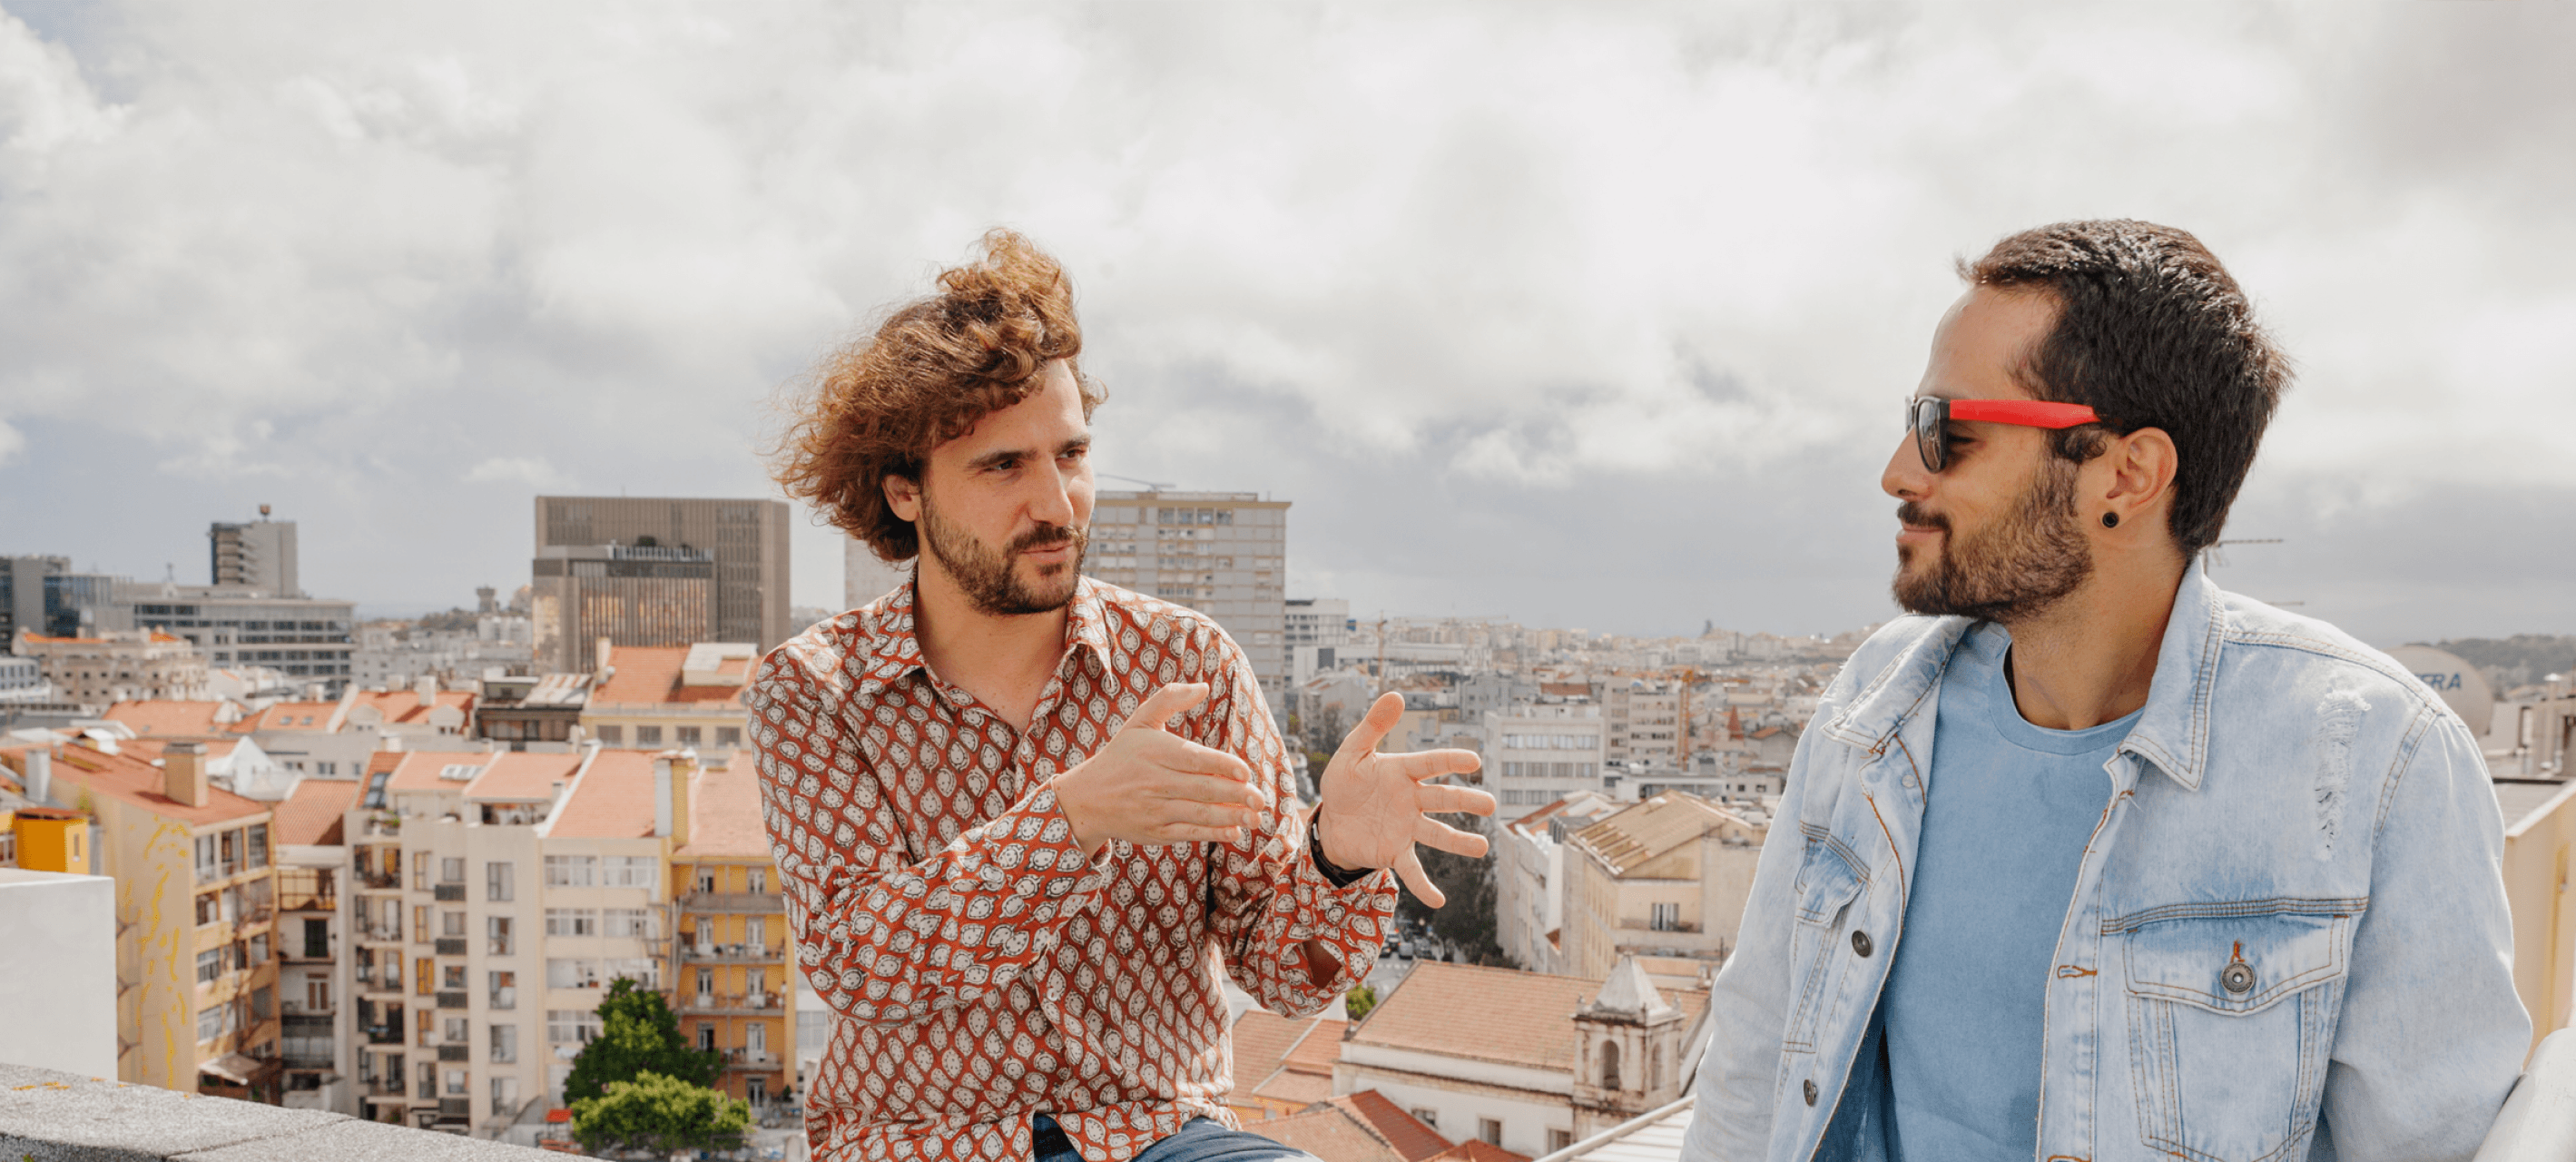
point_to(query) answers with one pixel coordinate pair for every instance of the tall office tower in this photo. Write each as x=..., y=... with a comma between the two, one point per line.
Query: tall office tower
x=1224, y=554
x=747, y=541
x=259, y=555
x=630, y=595
x=42, y=596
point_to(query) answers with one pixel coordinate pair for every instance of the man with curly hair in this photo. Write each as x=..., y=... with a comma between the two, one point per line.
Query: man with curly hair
x=1023, y=819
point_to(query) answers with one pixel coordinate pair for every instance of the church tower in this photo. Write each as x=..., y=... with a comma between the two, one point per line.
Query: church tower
x=1627, y=1051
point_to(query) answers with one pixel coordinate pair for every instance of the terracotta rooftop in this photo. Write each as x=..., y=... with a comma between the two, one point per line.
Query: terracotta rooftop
x=139, y=783
x=724, y=821
x=316, y=716
x=1646, y=831
x=1406, y=1133
x=1524, y=1018
x=404, y=708
x=1472, y=1150
x=428, y=770
x=168, y=718
x=521, y=776
x=311, y=815
x=651, y=675
x=1329, y=1131
x=151, y=749
x=613, y=801
x=1283, y=1058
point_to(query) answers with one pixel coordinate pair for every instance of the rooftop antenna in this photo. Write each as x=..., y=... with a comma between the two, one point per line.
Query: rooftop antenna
x=1150, y=485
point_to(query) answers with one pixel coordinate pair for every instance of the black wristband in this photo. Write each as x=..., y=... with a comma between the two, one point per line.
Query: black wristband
x=1337, y=876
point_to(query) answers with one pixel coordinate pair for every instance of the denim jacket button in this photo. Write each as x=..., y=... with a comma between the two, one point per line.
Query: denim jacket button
x=2237, y=978
x=1860, y=943
x=1811, y=1093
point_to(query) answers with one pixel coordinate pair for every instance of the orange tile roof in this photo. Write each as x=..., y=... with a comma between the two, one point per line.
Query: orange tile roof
x=1473, y=1150
x=168, y=718
x=420, y=770
x=1401, y=1130
x=311, y=814
x=613, y=801
x=724, y=817
x=1526, y=1018
x=1329, y=1131
x=523, y=776
x=150, y=749
x=403, y=708
x=644, y=674
x=289, y=716
x=138, y=782
x=1286, y=1059
x=384, y=761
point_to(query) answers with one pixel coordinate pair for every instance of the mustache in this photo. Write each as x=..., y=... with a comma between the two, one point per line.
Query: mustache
x=1921, y=517
x=1048, y=537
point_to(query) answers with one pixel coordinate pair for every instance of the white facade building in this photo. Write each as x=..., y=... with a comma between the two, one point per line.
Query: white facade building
x=1535, y=755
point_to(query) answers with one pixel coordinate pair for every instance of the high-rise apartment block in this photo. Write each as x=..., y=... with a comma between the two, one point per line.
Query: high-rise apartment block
x=257, y=555
x=1224, y=554
x=744, y=542
x=866, y=576
x=1644, y=720
x=624, y=595
x=1534, y=755
x=305, y=638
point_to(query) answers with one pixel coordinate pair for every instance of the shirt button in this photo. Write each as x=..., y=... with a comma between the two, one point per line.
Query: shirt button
x=1811, y=1092
x=1860, y=943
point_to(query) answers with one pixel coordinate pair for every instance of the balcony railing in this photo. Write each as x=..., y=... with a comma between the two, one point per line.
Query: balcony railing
x=455, y=1109
x=455, y=1053
x=303, y=1009
x=380, y=933
x=733, y=902
x=451, y=946
x=380, y=1087
x=751, y=1059
x=505, y=997
x=724, y=953
x=454, y=1000
x=379, y=881
x=384, y=1035
x=1683, y=926
x=450, y=893
x=732, y=1002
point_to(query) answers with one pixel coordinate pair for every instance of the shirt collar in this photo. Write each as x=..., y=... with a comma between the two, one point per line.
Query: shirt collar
x=892, y=649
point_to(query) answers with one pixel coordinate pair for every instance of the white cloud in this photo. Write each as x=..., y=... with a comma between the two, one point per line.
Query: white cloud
x=532, y=471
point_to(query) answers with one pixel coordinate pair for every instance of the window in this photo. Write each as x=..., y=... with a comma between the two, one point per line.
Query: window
x=728, y=736
x=706, y=879
x=572, y=871
x=755, y=932
x=572, y=922
x=498, y=937
x=759, y=879
x=496, y=881
x=628, y=871
x=451, y=924
x=612, y=736
x=706, y=933
x=648, y=736
x=258, y=951
x=452, y=977
x=505, y=1094
x=1426, y=1116
x=706, y=981
x=456, y=1030
x=230, y=847
x=210, y=1021
x=317, y=940
x=1610, y=1065
x=263, y=1004
x=685, y=735
x=571, y=1027
x=456, y=1083
x=257, y=855
x=1489, y=1131
x=706, y=1036
x=1559, y=1139
x=208, y=910
x=326, y=770
x=505, y=989
x=424, y=978
x=451, y=870
x=210, y=965
x=420, y=873
x=206, y=859
x=572, y=973
x=755, y=1037
x=813, y=1027
x=505, y=1043
x=420, y=921
x=636, y=923
x=1665, y=917
x=317, y=993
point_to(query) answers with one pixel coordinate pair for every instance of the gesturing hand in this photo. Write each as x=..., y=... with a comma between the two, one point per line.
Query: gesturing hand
x=1153, y=787
x=1376, y=806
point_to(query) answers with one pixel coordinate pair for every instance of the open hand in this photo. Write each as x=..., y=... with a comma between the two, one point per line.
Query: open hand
x=1377, y=806
x=1153, y=787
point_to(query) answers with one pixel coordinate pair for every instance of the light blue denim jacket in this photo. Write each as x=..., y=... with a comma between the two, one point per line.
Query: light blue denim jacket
x=2288, y=937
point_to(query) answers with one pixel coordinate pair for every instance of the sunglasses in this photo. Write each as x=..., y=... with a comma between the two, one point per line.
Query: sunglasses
x=1930, y=418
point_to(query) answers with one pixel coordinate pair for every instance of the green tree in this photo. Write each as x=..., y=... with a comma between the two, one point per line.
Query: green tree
x=658, y=1114
x=1468, y=921
x=638, y=1034
x=1359, y=1001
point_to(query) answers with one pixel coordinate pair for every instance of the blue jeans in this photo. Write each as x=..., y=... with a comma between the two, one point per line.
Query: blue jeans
x=1200, y=1140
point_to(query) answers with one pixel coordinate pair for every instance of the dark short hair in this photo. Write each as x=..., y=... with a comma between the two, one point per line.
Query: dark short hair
x=2151, y=332
x=876, y=407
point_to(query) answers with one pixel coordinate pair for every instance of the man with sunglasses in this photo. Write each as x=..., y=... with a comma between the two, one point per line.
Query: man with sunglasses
x=2092, y=860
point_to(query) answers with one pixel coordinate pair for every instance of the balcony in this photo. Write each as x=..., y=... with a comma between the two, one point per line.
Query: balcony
x=384, y=1035
x=380, y=933
x=449, y=893
x=769, y=902
x=752, y=1059
x=1686, y=927
x=454, y=1000
x=298, y=950
x=391, y=1087
x=451, y=946
x=379, y=881
x=308, y=1053
x=455, y=1109
x=732, y=1002
x=455, y=1053
x=732, y=953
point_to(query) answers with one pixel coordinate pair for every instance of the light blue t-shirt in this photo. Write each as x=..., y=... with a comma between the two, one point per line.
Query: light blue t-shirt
x=2009, y=809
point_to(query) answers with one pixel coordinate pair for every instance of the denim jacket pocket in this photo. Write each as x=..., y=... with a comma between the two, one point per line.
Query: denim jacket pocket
x=1828, y=882
x=2231, y=1011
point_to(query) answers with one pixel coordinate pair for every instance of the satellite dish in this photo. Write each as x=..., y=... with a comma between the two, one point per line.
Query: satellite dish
x=2460, y=684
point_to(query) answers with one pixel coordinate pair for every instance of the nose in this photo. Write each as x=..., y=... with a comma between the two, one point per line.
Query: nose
x=1054, y=502
x=1905, y=477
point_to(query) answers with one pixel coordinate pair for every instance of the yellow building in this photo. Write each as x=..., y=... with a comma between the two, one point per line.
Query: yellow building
x=48, y=839
x=196, y=965
x=733, y=948
x=2539, y=834
x=1667, y=877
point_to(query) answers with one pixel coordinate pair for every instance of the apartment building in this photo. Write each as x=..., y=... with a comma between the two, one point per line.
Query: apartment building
x=101, y=670
x=1666, y=877
x=1537, y=754
x=310, y=737
x=308, y=639
x=318, y=1013
x=1642, y=721
x=540, y=712
x=1224, y=554
x=734, y=993
x=687, y=697
x=1528, y=864
x=606, y=892
x=745, y=547
x=196, y=962
x=628, y=595
x=254, y=555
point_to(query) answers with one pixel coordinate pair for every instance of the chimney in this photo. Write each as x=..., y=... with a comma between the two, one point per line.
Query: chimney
x=40, y=775
x=599, y=667
x=671, y=773
x=183, y=773
x=427, y=689
x=662, y=794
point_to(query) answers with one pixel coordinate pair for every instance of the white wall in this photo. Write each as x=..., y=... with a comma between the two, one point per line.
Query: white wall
x=62, y=939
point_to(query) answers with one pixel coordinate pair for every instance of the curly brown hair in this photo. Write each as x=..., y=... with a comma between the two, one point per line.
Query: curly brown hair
x=876, y=407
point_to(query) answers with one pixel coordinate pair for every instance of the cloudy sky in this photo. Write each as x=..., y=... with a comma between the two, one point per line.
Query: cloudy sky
x=1592, y=315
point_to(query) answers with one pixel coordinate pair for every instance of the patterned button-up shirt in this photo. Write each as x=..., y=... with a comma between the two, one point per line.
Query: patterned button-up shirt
x=978, y=968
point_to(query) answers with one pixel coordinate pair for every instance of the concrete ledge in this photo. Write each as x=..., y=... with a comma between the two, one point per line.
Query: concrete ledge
x=46, y=1116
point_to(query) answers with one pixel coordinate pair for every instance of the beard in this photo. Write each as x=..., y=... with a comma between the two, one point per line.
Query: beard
x=990, y=578
x=2023, y=563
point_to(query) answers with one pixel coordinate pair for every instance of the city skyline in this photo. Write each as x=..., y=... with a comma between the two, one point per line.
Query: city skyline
x=1620, y=351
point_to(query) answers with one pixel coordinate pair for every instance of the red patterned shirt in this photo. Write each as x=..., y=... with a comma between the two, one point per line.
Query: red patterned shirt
x=978, y=969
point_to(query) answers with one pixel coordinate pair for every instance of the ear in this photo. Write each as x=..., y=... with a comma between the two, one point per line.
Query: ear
x=904, y=497
x=2141, y=467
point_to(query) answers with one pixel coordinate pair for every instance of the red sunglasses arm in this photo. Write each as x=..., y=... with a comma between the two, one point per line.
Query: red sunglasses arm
x=2028, y=413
